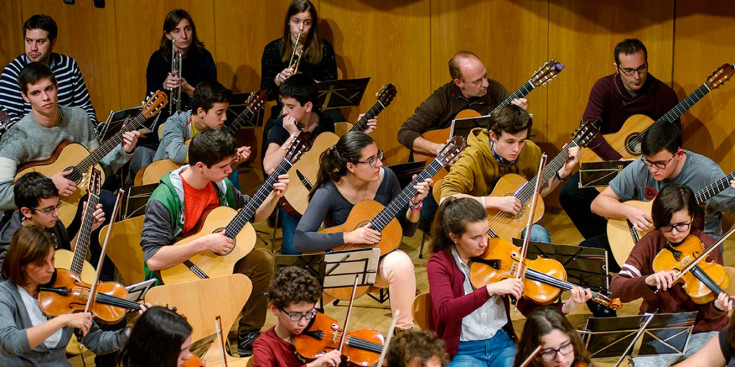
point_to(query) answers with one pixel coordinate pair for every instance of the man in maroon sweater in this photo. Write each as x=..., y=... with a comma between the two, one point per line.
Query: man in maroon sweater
x=631, y=90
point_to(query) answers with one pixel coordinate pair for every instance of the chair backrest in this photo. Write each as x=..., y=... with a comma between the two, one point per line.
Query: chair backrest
x=124, y=249
x=731, y=272
x=195, y=301
x=437, y=192
x=422, y=311
x=341, y=128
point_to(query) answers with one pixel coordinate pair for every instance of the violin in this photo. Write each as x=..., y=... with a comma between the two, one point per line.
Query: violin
x=361, y=348
x=68, y=294
x=705, y=280
x=193, y=361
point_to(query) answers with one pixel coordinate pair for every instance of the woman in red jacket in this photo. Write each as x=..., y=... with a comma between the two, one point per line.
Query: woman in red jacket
x=474, y=323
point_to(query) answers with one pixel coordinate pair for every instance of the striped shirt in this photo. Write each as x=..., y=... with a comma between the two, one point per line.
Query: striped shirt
x=72, y=90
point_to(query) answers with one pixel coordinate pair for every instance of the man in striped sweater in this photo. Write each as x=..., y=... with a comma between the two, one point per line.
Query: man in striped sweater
x=40, y=37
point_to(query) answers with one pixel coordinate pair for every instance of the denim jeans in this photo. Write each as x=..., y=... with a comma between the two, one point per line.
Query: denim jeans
x=538, y=234
x=288, y=226
x=498, y=351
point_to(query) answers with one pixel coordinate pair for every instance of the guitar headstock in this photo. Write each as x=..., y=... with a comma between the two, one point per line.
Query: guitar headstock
x=256, y=100
x=450, y=151
x=547, y=72
x=94, y=185
x=585, y=133
x=720, y=76
x=386, y=95
x=300, y=145
x=154, y=104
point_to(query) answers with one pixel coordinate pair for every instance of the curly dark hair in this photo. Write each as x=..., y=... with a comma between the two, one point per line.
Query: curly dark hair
x=421, y=344
x=293, y=285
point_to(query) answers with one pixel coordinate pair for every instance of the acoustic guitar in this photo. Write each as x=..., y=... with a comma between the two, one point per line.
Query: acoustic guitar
x=543, y=75
x=207, y=264
x=153, y=172
x=383, y=219
x=506, y=225
x=303, y=173
x=622, y=236
x=627, y=141
x=79, y=159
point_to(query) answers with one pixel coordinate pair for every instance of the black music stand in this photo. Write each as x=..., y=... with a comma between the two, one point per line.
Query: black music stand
x=667, y=333
x=137, y=198
x=585, y=266
x=599, y=174
x=463, y=126
x=337, y=269
x=237, y=106
x=115, y=120
x=337, y=94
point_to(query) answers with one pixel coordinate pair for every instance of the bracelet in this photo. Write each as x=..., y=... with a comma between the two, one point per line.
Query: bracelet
x=561, y=179
x=416, y=207
x=482, y=199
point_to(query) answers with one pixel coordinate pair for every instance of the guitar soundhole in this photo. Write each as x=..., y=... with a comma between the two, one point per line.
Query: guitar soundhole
x=234, y=240
x=520, y=212
x=633, y=144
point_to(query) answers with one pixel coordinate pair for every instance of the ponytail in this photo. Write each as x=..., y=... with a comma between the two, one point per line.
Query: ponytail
x=333, y=161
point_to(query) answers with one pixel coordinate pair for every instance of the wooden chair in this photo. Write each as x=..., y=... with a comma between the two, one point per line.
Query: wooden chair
x=341, y=128
x=124, y=249
x=422, y=310
x=730, y=288
x=194, y=300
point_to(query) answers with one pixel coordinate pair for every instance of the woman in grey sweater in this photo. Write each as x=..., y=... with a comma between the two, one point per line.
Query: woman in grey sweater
x=27, y=336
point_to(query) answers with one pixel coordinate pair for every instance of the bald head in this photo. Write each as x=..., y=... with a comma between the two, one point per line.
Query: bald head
x=469, y=74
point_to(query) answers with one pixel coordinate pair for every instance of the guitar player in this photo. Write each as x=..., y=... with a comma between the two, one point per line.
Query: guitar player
x=36, y=138
x=493, y=153
x=631, y=90
x=179, y=203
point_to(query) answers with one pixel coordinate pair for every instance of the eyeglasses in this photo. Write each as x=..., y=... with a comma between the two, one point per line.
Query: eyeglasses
x=297, y=316
x=549, y=355
x=49, y=209
x=659, y=165
x=680, y=227
x=478, y=82
x=628, y=71
x=374, y=159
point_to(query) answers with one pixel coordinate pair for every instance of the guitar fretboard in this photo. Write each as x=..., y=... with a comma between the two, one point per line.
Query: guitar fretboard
x=520, y=93
x=713, y=189
x=246, y=115
x=95, y=157
x=85, y=233
x=525, y=193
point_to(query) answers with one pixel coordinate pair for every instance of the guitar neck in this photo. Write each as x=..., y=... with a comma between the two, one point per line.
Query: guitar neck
x=85, y=233
x=246, y=115
x=95, y=157
x=713, y=189
x=520, y=93
x=361, y=125
x=248, y=212
x=399, y=202
x=526, y=192
x=685, y=104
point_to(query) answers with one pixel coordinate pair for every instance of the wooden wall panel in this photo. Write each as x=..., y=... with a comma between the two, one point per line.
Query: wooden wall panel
x=89, y=35
x=11, y=31
x=140, y=26
x=582, y=35
x=703, y=42
x=510, y=37
x=388, y=41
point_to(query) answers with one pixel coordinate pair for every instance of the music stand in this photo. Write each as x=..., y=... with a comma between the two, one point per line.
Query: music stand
x=237, y=106
x=599, y=174
x=137, y=198
x=667, y=333
x=463, y=126
x=336, y=94
x=585, y=266
x=112, y=125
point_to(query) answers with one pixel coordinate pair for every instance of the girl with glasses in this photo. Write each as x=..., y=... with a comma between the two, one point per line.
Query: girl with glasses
x=349, y=172
x=562, y=346
x=674, y=211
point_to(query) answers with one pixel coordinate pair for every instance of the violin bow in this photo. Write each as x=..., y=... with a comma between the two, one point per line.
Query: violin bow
x=93, y=290
x=220, y=338
x=704, y=254
x=349, y=312
x=388, y=338
x=524, y=248
x=532, y=356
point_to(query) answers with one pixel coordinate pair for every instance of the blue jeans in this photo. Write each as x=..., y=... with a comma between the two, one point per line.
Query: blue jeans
x=288, y=226
x=498, y=351
x=538, y=234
